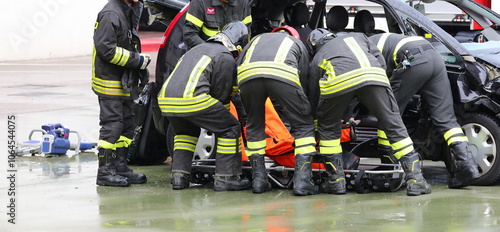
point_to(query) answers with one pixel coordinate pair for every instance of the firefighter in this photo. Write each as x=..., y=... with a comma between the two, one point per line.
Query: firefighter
x=205, y=18
x=197, y=94
x=116, y=57
x=413, y=65
x=274, y=65
x=343, y=68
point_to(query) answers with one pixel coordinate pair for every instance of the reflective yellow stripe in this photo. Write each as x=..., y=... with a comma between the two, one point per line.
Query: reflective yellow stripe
x=185, y=142
x=384, y=142
x=358, y=52
x=247, y=19
x=164, y=87
x=268, y=68
x=458, y=139
x=208, y=31
x=381, y=134
x=403, y=143
x=283, y=50
x=305, y=141
x=403, y=152
x=226, y=146
x=403, y=42
x=124, y=59
x=96, y=25
x=304, y=150
x=123, y=142
x=118, y=55
x=327, y=147
x=106, y=145
x=328, y=67
x=453, y=132
x=250, y=50
x=186, y=105
x=381, y=42
x=108, y=87
x=195, y=74
x=315, y=124
x=256, y=145
x=194, y=20
x=353, y=78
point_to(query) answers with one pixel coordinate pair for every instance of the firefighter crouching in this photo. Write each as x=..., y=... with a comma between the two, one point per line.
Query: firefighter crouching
x=343, y=68
x=197, y=94
x=414, y=66
x=273, y=65
x=117, y=59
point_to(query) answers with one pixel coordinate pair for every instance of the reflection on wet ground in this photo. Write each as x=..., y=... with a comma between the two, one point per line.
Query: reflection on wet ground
x=59, y=193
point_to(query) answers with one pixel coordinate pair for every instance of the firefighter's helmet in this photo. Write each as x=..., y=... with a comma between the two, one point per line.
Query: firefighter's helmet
x=234, y=36
x=288, y=29
x=317, y=38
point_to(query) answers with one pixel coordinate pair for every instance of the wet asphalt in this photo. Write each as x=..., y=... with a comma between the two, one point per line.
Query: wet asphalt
x=60, y=194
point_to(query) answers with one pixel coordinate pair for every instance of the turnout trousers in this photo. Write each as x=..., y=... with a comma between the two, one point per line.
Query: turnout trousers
x=117, y=123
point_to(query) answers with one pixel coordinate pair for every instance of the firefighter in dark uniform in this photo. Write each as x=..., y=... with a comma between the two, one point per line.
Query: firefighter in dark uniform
x=116, y=57
x=343, y=68
x=205, y=18
x=273, y=65
x=197, y=94
x=414, y=66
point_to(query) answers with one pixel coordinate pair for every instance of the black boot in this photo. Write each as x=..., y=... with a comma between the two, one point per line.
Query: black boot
x=123, y=170
x=415, y=182
x=179, y=180
x=225, y=179
x=302, y=177
x=260, y=183
x=106, y=174
x=335, y=184
x=465, y=168
x=386, y=155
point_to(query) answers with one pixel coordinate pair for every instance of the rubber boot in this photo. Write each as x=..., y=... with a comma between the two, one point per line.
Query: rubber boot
x=123, y=170
x=225, y=179
x=415, y=182
x=465, y=168
x=335, y=184
x=106, y=173
x=180, y=180
x=302, y=177
x=260, y=182
x=182, y=161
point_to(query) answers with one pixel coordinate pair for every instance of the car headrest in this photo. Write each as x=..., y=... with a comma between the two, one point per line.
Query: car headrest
x=364, y=22
x=299, y=15
x=337, y=18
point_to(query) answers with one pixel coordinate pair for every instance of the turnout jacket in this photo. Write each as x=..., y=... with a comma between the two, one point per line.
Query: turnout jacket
x=116, y=47
x=344, y=64
x=276, y=56
x=204, y=77
x=205, y=18
x=395, y=47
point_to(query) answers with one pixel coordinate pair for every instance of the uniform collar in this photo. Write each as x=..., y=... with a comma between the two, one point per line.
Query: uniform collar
x=219, y=3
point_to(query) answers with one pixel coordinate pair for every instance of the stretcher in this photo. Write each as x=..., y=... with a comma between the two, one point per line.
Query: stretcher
x=360, y=176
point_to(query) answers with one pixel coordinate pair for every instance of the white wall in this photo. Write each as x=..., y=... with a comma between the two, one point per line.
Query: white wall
x=40, y=29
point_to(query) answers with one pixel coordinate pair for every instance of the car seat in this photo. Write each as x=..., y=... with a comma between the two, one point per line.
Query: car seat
x=298, y=17
x=337, y=19
x=364, y=22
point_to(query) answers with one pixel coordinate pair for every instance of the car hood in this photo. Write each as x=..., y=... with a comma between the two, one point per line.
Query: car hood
x=488, y=51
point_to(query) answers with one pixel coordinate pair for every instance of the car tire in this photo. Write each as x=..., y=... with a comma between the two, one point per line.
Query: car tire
x=205, y=148
x=483, y=132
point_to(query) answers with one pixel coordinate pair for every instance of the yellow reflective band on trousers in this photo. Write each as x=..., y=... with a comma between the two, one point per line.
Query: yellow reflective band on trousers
x=186, y=105
x=402, y=147
x=194, y=20
x=382, y=138
x=328, y=147
x=121, y=56
x=351, y=79
x=247, y=20
x=257, y=147
x=194, y=77
x=305, y=146
x=226, y=146
x=123, y=142
x=268, y=68
x=455, y=135
x=106, y=145
x=185, y=142
x=403, y=42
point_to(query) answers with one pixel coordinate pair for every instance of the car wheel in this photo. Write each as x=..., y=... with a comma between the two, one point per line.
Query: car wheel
x=205, y=149
x=483, y=132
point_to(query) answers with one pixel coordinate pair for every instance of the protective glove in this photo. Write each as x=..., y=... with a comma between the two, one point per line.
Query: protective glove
x=145, y=59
